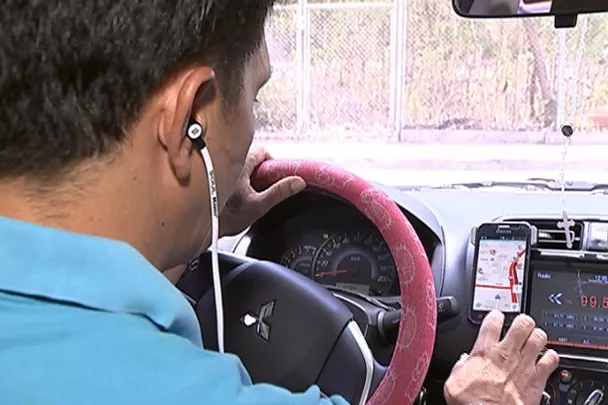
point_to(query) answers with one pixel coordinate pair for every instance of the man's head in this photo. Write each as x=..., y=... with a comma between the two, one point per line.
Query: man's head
x=95, y=97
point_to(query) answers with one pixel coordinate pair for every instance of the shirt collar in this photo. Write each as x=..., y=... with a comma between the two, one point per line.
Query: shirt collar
x=90, y=271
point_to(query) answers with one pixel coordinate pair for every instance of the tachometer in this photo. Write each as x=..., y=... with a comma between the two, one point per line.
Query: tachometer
x=356, y=260
x=300, y=259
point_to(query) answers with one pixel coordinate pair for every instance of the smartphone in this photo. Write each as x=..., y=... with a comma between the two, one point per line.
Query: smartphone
x=502, y=259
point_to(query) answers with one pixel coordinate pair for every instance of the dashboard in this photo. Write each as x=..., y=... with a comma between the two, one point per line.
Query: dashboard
x=330, y=242
x=326, y=239
x=341, y=253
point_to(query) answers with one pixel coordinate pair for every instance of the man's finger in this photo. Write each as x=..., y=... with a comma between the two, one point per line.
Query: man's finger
x=279, y=192
x=257, y=155
x=547, y=364
x=489, y=333
x=535, y=345
x=518, y=334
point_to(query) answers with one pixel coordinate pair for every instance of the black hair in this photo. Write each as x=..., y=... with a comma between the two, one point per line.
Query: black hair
x=76, y=74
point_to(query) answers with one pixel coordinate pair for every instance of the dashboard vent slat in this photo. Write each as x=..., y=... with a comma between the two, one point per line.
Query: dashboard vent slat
x=550, y=236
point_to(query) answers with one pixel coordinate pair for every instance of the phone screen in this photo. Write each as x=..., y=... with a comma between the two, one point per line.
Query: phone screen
x=499, y=273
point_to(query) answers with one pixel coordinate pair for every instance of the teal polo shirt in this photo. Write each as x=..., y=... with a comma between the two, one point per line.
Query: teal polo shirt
x=87, y=320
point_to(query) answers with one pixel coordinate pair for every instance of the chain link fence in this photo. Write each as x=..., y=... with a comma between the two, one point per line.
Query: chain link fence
x=413, y=71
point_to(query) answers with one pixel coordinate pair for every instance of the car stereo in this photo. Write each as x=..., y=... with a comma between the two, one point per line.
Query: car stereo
x=569, y=300
x=566, y=292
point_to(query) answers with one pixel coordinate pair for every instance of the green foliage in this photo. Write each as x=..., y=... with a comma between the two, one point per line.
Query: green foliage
x=477, y=72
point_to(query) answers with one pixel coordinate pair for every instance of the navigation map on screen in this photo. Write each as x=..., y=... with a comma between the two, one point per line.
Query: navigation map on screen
x=499, y=274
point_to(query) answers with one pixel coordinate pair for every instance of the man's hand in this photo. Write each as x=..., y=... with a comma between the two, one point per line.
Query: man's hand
x=246, y=205
x=503, y=372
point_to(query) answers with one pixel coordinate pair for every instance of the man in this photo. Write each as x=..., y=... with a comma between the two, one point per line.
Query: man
x=100, y=188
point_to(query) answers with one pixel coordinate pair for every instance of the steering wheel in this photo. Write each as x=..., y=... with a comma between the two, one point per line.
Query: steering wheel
x=292, y=332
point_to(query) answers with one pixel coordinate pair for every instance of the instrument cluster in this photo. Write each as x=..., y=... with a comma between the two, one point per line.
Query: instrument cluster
x=354, y=258
x=335, y=247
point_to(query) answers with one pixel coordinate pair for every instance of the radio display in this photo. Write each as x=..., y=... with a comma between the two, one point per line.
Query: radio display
x=571, y=305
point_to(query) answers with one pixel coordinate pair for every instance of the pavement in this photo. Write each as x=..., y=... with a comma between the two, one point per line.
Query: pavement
x=548, y=153
x=439, y=164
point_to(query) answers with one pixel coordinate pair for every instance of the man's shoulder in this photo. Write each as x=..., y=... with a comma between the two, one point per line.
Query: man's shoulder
x=85, y=356
x=52, y=350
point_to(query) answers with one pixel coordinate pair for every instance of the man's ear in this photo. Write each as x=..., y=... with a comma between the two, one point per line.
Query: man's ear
x=185, y=97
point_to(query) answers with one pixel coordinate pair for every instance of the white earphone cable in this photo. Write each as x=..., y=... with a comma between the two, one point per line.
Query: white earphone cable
x=215, y=265
x=215, y=229
x=195, y=133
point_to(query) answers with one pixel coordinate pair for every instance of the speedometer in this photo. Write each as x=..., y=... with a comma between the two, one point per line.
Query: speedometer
x=356, y=260
x=300, y=259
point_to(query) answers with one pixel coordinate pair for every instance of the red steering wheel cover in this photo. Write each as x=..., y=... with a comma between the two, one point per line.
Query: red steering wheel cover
x=416, y=337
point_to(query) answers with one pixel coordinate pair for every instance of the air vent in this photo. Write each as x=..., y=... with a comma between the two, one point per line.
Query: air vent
x=550, y=236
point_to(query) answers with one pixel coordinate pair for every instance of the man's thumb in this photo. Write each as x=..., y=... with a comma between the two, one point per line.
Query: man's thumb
x=463, y=359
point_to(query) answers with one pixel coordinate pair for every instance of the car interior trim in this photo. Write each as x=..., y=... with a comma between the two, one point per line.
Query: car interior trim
x=367, y=356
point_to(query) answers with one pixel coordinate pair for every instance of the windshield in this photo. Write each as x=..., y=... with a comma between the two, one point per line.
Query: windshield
x=407, y=92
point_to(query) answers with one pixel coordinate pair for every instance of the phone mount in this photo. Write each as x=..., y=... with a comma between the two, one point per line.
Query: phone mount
x=533, y=232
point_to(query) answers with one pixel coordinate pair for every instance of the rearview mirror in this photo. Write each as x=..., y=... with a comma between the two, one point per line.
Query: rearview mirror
x=527, y=8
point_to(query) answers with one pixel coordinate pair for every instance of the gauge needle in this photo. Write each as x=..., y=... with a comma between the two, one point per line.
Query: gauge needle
x=331, y=273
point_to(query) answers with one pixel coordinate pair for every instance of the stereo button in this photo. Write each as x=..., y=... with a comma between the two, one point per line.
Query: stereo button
x=565, y=377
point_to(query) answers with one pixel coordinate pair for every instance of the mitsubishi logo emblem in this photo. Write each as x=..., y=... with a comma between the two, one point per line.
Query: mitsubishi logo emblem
x=262, y=329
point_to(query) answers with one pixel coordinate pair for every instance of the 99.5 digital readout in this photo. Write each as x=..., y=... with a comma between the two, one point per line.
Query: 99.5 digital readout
x=571, y=306
x=591, y=301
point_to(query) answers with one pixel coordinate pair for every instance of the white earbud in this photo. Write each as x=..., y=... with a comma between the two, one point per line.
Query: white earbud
x=195, y=130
